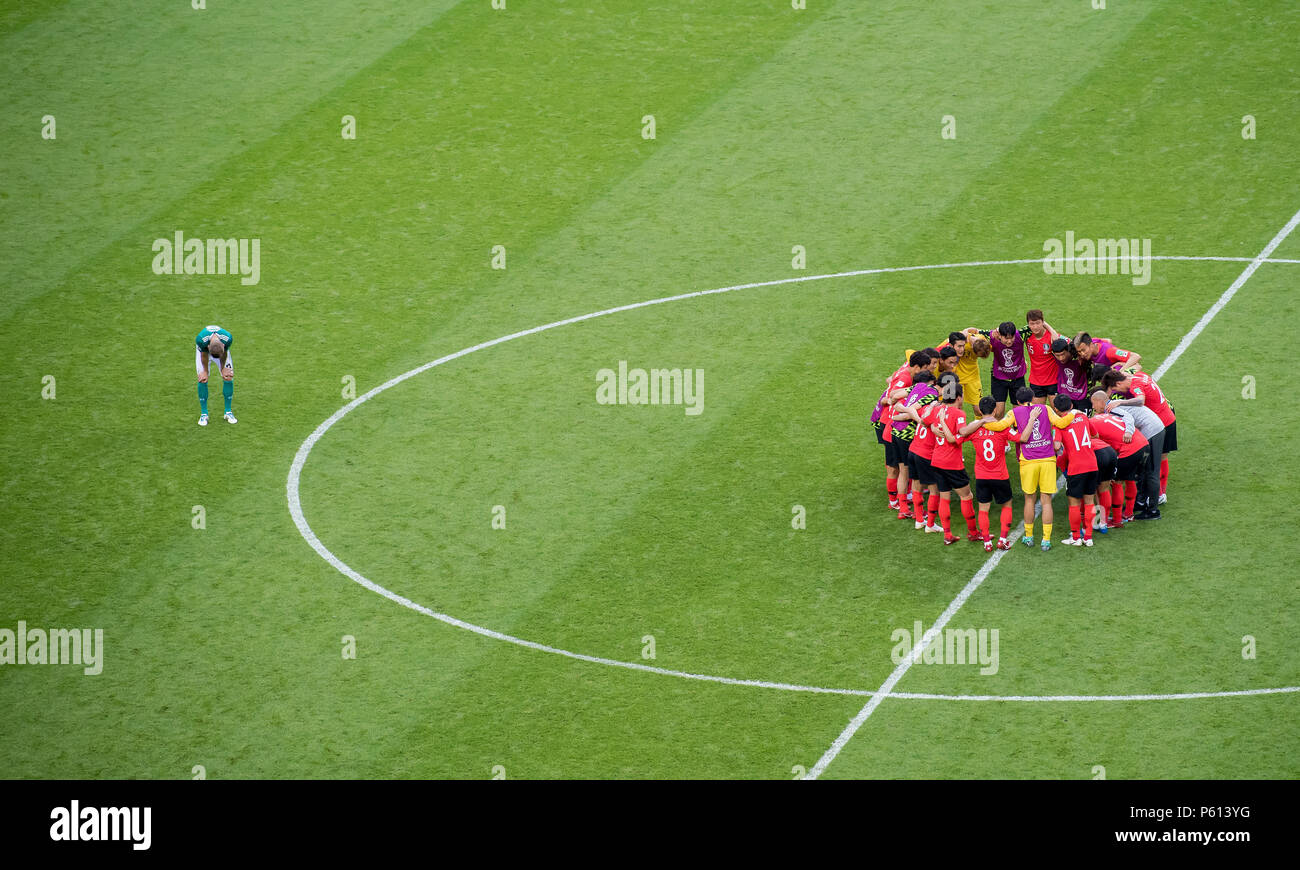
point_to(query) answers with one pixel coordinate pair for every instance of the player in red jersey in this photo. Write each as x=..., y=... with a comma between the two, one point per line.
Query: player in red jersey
x=1107, y=458
x=992, y=482
x=1142, y=390
x=1133, y=453
x=950, y=466
x=895, y=390
x=904, y=425
x=1081, y=472
x=925, y=484
x=1101, y=351
x=1042, y=364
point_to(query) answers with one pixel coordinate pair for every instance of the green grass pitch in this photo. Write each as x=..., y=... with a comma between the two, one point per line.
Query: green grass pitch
x=626, y=527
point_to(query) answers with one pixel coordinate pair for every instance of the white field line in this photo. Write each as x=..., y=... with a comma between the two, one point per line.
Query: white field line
x=1226, y=297
x=300, y=520
x=935, y=631
x=1178, y=696
x=902, y=668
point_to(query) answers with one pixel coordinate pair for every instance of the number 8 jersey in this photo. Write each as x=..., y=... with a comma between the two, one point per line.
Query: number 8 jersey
x=990, y=453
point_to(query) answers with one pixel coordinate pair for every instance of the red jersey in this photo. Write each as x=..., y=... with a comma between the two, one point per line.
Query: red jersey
x=1110, y=428
x=1106, y=353
x=1079, y=458
x=1098, y=443
x=923, y=441
x=990, y=454
x=1155, y=399
x=901, y=380
x=1043, y=367
x=947, y=454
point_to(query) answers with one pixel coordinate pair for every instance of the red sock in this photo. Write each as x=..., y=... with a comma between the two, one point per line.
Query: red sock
x=945, y=516
x=1116, y=503
x=1130, y=496
x=1103, y=497
x=1089, y=511
x=1074, y=521
x=918, y=505
x=1006, y=519
x=984, y=523
x=968, y=511
x=891, y=486
x=934, y=507
x=1164, y=473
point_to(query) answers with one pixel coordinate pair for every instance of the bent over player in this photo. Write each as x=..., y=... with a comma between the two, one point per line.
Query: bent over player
x=212, y=345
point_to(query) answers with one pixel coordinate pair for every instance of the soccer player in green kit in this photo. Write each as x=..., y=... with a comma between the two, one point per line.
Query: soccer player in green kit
x=213, y=345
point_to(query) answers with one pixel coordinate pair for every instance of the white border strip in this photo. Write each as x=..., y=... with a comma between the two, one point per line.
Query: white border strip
x=865, y=713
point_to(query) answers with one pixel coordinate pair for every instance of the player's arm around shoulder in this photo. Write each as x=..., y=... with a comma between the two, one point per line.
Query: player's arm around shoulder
x=1061, y=421
x=1006, y=422
x=947, y=433
x=972, y=426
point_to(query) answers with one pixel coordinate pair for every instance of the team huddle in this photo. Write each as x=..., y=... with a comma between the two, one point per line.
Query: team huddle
x=1087, y=410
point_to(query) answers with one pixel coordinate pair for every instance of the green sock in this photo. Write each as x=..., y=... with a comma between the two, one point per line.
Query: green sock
x=203, y=397
x=228, y=392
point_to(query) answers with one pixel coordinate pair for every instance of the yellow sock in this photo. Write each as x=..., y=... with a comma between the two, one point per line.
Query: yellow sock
x=1047, y=531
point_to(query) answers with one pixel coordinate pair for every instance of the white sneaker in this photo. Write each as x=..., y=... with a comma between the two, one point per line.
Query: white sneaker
x=230, y=418
x=929, y=529
x=1073, y=542
x=203, y=419
x=919, y=525
x=1162, y=499
x=1087, y=542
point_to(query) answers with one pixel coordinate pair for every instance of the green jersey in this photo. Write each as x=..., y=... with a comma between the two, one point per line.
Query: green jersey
x=202, y=339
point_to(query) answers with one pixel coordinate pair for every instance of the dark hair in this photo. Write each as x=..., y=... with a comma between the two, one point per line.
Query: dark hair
x=1110, y=379
x=1082, y=338
x=954, y=337
x=946, y=377
x=923, y=377
x=1062, y=403
x=1024, y=396
x=918, y=359
x=1006, y=329
x=1034, y=314
x=987, y=405
x=948, y=353
x=1060, y=345
x=931, y=353
x=1099, y=371
x=951, y=391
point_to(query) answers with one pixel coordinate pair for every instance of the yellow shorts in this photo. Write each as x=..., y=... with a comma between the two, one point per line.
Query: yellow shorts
x=1038, y=475
x=972, y=392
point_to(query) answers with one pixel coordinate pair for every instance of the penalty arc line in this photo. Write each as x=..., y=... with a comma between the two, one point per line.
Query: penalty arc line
x=911, y=658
